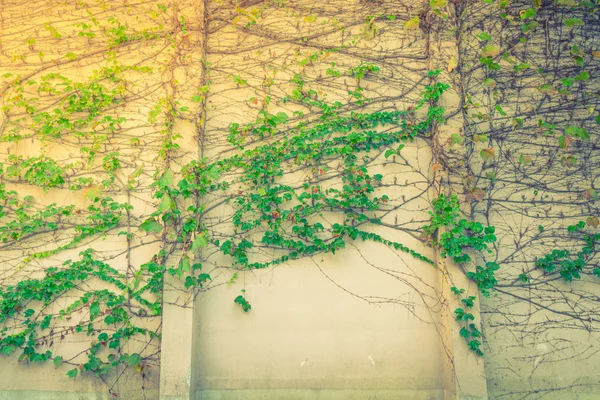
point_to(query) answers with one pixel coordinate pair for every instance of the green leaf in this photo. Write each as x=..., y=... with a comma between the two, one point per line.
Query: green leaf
x=529, y=13
x=7, y=350
x=484, y=36
x=457, y=291
x=489, y=82
x=506, y=57
x=455, y=138
x=200, y=241
x=528, y=27
x=133, y=359
x=185, y=264
x=166, y=204
x=151, y=225
x=569, y=161
x=94, y=310
x=241, y=300
x=579, y=61
x=490, y=51
x=189, y=282
x=487, y=154
x=564, y=142
x=203, y=278
x=72, y=373
x=517, y=123
x=522, y=67
x=166, y=179
x=547, y=89
x=53, y=31
x=282, y=117
x=412, y=23
x=58, y=360
x=93, y=192
x=583, y=76
x=438, y=4
x=573, y=22
x=577, y=132
x=29, y=313
x=459, y=313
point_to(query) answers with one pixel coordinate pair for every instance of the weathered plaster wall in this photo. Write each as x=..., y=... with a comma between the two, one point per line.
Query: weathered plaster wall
x=368, y=322
x=542, y=335
x=35, y=41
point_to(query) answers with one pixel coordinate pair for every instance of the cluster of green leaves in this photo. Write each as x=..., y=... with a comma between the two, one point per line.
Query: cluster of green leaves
x=53, y=108
x=31, y=319
x=38, y=171
x=24, y=329
x=570, y=266
x=164, y=113
x=117, y=33
x=458, y=233
x=360, y=71
x=82, y=112
x=241, y=300
x=454, y=235
x=283, y=217
x=469, y=330
x=27, y=223
x=103, y=215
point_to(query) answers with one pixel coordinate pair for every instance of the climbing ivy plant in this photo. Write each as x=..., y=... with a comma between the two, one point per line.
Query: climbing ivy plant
x=269, y=212
x=280, y=216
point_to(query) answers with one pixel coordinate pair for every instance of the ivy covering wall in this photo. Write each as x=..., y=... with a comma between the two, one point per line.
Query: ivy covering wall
x=138, y=149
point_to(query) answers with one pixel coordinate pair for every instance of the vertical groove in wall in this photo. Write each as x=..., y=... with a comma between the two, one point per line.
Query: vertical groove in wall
x=463, y=373
x=201, y=127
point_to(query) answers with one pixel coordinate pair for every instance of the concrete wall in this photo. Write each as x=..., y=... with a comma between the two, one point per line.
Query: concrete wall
x=541, y=334
x=366, y=323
